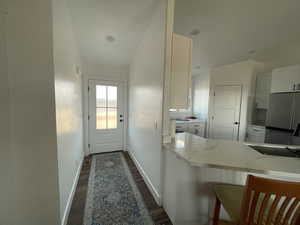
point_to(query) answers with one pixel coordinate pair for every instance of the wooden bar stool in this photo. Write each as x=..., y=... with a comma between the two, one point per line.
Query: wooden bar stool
x=261, y=202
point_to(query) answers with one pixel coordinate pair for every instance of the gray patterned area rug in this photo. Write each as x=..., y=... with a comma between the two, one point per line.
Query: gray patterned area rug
x=113, y=197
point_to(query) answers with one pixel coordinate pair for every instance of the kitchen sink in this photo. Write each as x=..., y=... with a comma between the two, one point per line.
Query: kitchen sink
x=285, y=152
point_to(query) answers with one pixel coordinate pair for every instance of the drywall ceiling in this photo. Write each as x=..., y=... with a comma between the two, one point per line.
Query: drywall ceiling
x=108, y=31
x=234, y=30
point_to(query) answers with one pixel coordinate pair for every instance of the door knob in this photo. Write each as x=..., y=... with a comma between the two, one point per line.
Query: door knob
x=121, y=121
x=236, y=123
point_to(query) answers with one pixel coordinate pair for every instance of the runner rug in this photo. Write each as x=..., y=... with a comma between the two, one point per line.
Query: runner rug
x=113, y=197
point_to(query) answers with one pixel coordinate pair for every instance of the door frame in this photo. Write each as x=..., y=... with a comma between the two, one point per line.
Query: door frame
x=211, y=107
x=86, y=107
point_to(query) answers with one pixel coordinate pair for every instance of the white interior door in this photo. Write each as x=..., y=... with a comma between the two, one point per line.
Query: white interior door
x=225, y=120
x=106, y=116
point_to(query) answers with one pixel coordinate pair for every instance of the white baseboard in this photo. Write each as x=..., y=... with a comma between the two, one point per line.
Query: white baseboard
x=146, y=178
x=71, y=195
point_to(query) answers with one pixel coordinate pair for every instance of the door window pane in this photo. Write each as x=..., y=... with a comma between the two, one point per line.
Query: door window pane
x=101, y=119
x=111, y=118
x=106, y=107
x=101, y=94
x=112, y=96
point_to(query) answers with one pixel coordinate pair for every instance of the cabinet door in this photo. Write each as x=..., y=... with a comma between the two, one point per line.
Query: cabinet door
x=285, y=79
x=181, y=72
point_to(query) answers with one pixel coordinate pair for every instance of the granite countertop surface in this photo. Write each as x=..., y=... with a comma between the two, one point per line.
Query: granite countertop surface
x=198, y=151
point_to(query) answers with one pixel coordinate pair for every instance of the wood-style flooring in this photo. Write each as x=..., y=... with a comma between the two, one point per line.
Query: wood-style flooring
x=76, y=215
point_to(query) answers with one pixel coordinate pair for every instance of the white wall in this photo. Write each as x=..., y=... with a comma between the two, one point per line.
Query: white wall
x=200, y=93
x=5, y=158
x=68, y=92
x=109, y=71
x=32, y=110
x=146, y=97
x=242, y=73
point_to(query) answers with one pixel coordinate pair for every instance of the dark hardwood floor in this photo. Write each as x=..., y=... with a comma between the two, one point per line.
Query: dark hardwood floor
x=76, y=215
x=77, y=209
x=158, y=214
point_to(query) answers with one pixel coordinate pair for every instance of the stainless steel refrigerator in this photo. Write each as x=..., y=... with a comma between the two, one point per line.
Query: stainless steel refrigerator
x=283, y=119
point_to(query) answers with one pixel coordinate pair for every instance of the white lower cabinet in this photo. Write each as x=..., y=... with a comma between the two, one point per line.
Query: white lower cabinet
x=182, y=127
x=256, y=134
x=197, y=128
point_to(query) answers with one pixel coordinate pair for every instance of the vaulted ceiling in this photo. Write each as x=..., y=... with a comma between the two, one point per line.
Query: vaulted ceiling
x=108, y=31
x=235, y=30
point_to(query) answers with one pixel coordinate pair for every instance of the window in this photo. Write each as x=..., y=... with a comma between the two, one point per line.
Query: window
x=106, y=107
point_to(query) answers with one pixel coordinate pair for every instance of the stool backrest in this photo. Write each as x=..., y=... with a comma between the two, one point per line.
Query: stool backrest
x=270, y=202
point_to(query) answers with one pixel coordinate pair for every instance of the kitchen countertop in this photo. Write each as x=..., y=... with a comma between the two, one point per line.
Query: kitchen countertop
x=198, y=151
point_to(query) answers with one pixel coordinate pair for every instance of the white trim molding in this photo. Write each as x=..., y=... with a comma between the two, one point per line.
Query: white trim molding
x=72, y=193
x=146, y=178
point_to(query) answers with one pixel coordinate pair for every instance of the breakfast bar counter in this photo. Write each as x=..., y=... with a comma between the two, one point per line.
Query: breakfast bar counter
x=198, y=151
x=193, y=164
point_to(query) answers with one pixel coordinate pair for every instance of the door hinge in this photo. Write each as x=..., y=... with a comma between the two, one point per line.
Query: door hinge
x=214, y=93
x=89, y=117
x=89, y=146
x=88, y=88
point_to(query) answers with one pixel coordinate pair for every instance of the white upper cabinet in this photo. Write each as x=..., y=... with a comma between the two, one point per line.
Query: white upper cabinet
x=286, y=79
x=181, y=72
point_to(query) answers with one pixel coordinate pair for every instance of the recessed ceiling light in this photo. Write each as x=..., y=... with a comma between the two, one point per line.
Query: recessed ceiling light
x=195, y=32
x=110, y=38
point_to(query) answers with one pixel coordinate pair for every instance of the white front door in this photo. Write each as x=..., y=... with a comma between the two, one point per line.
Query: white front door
x=106, y=116
x=225, y=120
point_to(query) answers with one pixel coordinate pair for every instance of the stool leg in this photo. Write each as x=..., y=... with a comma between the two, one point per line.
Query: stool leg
x=217, y=212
